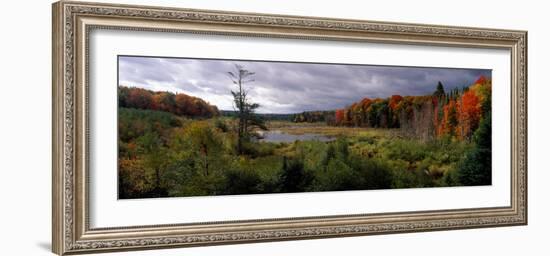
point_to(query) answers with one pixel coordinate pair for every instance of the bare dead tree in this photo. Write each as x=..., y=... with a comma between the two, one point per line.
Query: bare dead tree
x=248, y=120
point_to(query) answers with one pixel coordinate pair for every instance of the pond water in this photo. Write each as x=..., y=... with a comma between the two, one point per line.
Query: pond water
x=279, y=136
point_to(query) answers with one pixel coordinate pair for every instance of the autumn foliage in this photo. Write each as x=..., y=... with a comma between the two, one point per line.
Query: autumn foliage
x=456, y=114
x=179, y=104
x=339, y=116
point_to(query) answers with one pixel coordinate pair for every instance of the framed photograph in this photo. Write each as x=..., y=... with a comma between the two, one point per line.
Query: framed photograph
x=179, y=127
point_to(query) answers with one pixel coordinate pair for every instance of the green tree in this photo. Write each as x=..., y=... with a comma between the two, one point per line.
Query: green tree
x=206, y=143
x=439, y=91
x=294, y=178
x=376, y=174
x=197, y=160
x=330, y=154
x=248, y=120
x=239, y=182
x=338, y=176
x=154, y=160
x=476, y=167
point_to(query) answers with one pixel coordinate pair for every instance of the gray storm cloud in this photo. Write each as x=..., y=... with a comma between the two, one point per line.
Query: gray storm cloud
x=283, y=87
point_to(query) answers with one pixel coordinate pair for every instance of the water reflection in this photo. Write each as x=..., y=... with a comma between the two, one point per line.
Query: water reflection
x=279, y=136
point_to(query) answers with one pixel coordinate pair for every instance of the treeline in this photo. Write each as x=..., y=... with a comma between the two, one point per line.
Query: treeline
x=314, y=116
x=264, y=116
x=455, y=114
x=179, y=104
x=303, y=117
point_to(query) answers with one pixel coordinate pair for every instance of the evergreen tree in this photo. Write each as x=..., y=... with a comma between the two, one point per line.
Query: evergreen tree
x=439, y=91
x=294, y=178
x=476, y=167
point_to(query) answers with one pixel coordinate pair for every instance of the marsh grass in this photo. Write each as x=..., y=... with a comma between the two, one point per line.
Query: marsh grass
x=163, y=155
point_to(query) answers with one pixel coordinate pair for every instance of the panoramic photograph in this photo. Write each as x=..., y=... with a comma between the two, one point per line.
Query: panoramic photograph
x=207, y=127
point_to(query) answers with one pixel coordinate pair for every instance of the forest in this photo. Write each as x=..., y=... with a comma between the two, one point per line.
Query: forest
x=173, y=145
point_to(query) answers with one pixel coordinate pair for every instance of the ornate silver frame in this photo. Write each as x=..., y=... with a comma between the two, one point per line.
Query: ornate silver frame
x=72, y=22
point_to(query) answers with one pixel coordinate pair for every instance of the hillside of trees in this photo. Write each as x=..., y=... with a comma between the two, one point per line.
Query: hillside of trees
x=456, y=113
x=179, y=104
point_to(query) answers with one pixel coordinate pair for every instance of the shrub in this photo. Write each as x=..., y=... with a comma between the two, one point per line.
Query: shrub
x=370, y=173
x=337, y=176
x=407, y=150
x=294, y=178
x=242, y=182
x=221, y=125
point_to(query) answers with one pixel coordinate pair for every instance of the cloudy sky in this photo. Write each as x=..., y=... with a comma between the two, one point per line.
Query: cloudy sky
x=283, y=87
